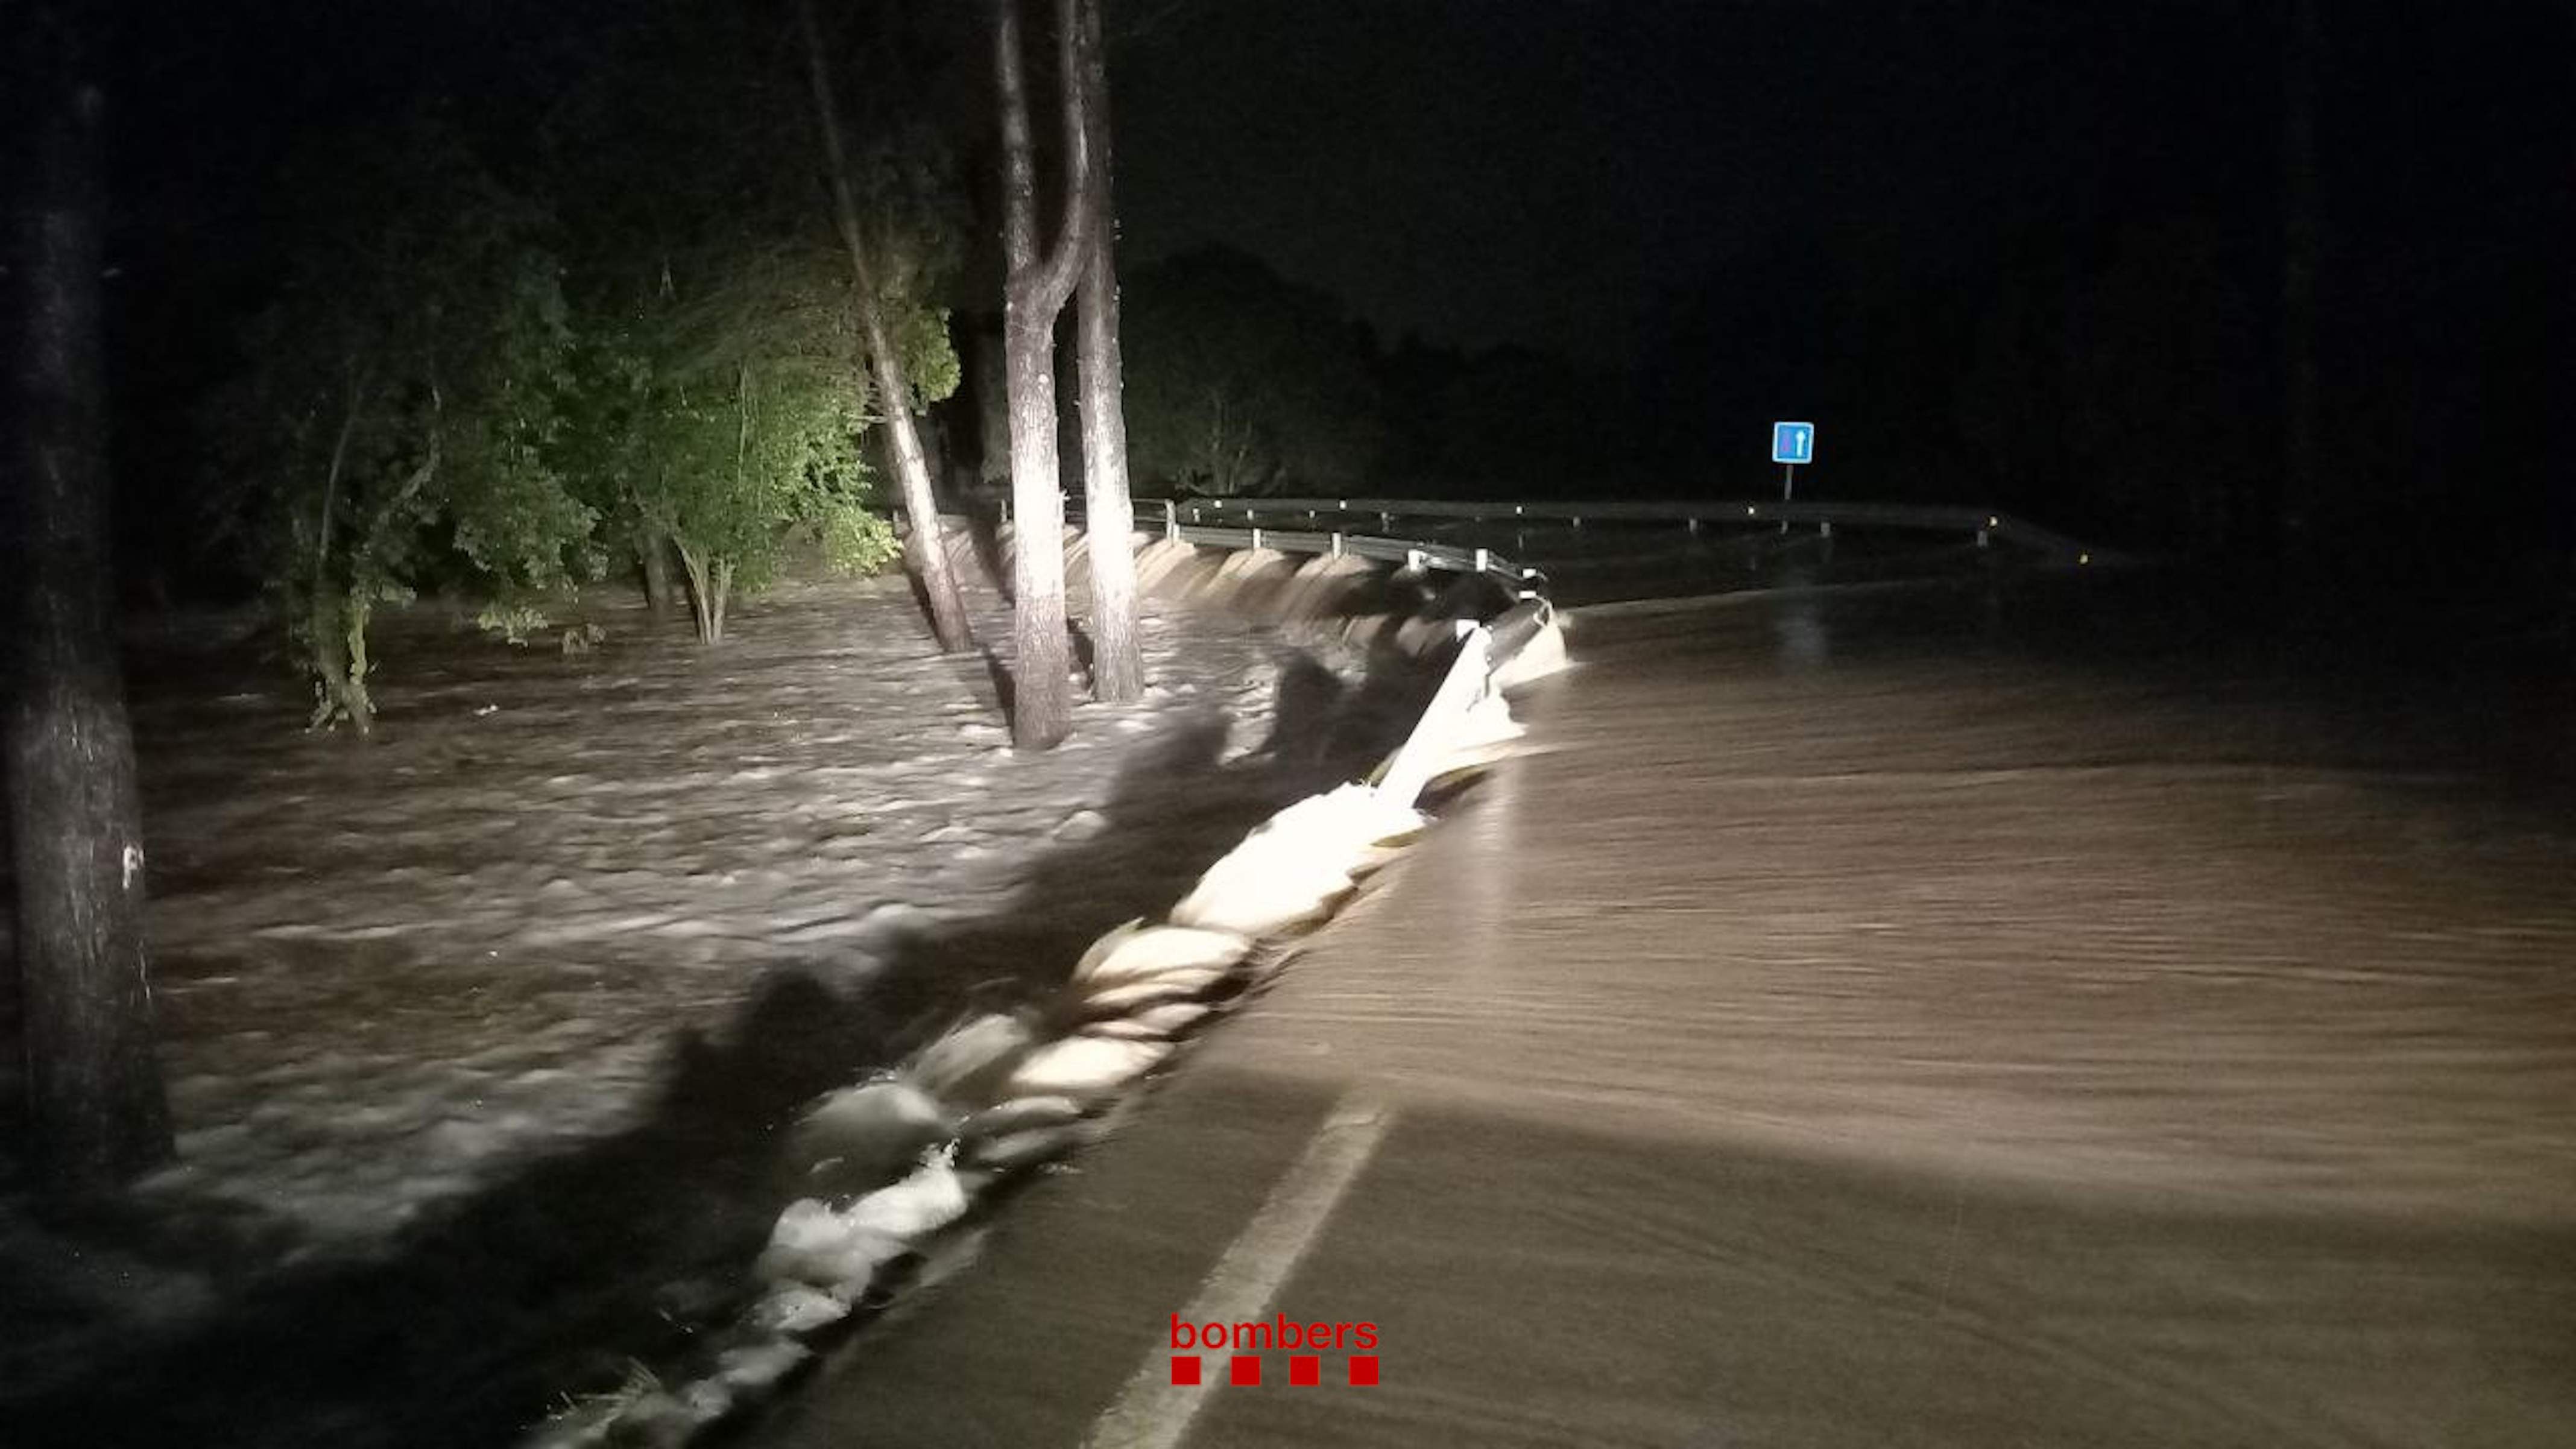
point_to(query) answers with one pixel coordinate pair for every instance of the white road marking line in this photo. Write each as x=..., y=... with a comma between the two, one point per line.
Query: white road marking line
x=1152, y=1412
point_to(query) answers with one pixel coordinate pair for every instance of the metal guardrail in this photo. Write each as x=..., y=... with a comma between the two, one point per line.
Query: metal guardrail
x=1518, y=581
x=1983, y=525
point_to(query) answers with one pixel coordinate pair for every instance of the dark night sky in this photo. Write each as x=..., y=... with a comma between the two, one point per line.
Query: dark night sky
x=1559, y=174
x=1565, y=173
x=1486, y=170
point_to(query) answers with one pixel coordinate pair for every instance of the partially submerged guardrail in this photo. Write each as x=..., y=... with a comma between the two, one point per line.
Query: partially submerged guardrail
x=1985, y=526
x=1518, y=581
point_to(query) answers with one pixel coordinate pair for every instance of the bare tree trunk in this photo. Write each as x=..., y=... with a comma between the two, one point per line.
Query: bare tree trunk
x=96, y=1104
x=2299, y=241
x=1034, y=293
x=653, y=554
x=337, y=647
x=357, y=611
x=705, y=611
x=992, y=409
x=331, y=483
x=343, y=608
x=326, y=601
x=1117, y=661
x=924, y=549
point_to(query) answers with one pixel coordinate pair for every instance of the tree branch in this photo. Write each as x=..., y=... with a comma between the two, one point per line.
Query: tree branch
x=1044, y=281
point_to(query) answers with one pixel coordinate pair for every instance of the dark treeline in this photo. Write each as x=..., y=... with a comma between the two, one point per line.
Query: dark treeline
x=2029, y=255
x=2022, y=255
x=2102, y=335
x=342, y=307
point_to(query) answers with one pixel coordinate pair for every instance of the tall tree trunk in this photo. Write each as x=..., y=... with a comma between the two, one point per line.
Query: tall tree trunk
x=1033, y=294
x=653, y=554
x=326, y=601
x=337, y=646
x=1117, y=661
x=94, y=1092
x=2299, y=246
x=924, y=549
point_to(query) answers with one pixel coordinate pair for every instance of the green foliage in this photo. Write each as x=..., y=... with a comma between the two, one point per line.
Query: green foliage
x=723, y=397
x=915, y=220
x=400, y=399
x=857, y=539
x=511, y=623
x=645, y=332
x=726, y=418
x=1239, y=382
x=930, y=361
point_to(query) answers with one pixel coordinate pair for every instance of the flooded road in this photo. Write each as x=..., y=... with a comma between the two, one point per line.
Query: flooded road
x=1958, y=1016
x=1800, y=881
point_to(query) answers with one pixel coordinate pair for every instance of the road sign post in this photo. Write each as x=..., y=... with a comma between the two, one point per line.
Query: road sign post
x=1791, y=445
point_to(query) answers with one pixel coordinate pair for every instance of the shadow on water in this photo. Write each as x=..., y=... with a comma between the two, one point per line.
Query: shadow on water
x=984, y=537
x=475, y=1321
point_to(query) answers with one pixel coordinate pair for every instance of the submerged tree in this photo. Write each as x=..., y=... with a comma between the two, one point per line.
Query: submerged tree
x=726, y=418
x=1034, y=292
x=730, y=366
x=95, y=1097
x=873, y=303
x=401, y=402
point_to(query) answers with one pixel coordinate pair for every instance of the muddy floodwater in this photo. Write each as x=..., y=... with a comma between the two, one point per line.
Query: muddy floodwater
x=2013, y=1011
x=1852, y=871
x=478, y=1034
x=1914, y=999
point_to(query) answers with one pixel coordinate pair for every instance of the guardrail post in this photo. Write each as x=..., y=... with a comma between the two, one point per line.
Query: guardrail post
x=1413, y=560
x=1484, y=558
x=1385, y=522
x=1337, y=545
x=1256, y=539
x=1171, y=521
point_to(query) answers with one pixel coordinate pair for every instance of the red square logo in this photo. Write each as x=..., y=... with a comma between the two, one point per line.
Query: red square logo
x=1245, y=1370
x=1305, y=1368
x=1364, y=1368
x=1185, y=1368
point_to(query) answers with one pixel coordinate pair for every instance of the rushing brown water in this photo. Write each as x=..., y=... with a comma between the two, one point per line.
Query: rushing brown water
x=1913, y=1016
x=1837, y=872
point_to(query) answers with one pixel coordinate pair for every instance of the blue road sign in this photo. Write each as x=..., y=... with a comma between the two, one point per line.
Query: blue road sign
x=1793, y=442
